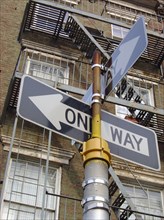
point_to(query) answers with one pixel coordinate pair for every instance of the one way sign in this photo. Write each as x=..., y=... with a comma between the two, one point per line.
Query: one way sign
x=126, y=54
x=70, y=117
x=123, y=58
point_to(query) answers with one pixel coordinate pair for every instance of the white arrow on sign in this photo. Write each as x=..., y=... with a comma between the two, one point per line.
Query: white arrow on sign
x=63, y=113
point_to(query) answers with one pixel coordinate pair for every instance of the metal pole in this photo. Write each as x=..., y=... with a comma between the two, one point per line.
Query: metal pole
x=43, y=214
x=8, y=164
x=96, y=157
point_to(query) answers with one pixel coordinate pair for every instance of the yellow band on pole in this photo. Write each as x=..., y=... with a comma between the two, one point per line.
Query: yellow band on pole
x=96, y=148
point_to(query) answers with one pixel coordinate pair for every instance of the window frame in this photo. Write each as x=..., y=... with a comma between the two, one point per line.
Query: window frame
x=123, y=31
x=150, y=94
x=30, y=61
x=147, y=207
x=53, y=211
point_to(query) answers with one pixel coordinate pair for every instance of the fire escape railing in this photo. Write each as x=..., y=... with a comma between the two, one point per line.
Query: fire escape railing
x=50, y=18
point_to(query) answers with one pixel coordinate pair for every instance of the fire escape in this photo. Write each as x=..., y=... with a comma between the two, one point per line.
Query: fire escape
x=49, y=18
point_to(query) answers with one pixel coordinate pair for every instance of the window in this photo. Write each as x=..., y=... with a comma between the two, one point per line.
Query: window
x=24, y=191
x=145, y=94
x=47, y=71
x=146, y=200
x=119, y=32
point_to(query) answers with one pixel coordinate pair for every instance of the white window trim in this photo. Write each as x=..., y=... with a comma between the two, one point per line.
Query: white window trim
x=121, y=30
x=150, y=91
x=66, y=71
x=148, y=189
x=4, y=190
x=57, y=191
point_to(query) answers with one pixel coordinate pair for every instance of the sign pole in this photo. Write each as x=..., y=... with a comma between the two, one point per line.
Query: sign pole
x=96, y=158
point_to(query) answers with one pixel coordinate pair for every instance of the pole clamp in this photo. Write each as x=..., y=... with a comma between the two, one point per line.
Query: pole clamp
x=96, y=94
x=94, y=198
x=97, y=65
x=95, y=180
x=95, y=101
x=94, y=205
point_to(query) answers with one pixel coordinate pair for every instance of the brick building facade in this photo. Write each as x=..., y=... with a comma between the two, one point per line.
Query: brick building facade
x=44, y=171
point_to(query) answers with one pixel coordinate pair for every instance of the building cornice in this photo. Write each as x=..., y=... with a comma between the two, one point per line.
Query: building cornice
x=37, y=150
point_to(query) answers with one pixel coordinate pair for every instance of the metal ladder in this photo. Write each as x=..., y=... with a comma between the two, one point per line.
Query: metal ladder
x=127, y=91
x=18, y=175
x=84, y=39
x=15, y=85
x=122, y=196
